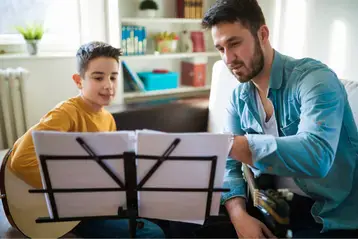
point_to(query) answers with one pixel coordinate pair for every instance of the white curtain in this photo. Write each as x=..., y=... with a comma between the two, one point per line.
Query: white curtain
x=322, y=29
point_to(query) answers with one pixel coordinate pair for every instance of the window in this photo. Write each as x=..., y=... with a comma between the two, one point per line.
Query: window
x=60, y=18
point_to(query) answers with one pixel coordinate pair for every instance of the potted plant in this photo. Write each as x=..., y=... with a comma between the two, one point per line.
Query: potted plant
x=32, y=35
x=148, y=8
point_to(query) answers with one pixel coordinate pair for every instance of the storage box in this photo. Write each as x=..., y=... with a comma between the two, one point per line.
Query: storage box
x=159, y=81
x=193, y=72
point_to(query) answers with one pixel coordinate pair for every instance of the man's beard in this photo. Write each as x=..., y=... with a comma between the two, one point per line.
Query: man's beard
x=256, y=64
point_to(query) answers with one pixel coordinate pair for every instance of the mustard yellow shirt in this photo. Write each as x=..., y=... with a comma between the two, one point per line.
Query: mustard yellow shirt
x=73, y=115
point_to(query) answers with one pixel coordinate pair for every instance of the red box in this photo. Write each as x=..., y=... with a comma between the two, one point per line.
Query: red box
x=193, y=72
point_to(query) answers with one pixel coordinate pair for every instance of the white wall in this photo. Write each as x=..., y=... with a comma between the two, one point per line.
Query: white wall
x=49, y=83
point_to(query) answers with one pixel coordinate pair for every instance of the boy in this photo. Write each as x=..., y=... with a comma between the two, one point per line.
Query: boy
x=97, y=65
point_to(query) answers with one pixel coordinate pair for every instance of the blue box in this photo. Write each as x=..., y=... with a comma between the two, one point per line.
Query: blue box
x=159, y=81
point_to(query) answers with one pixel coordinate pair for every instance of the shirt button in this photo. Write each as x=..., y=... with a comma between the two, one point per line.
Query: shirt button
x=270, y=168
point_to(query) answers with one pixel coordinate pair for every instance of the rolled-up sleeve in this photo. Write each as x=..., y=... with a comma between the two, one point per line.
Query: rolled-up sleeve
x=233, y=174
x=311, y=151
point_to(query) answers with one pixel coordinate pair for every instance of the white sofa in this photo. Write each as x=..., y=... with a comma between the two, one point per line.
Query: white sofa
x=223, y=83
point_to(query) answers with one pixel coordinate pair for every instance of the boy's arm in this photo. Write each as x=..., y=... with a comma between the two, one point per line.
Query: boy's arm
x=23, y=160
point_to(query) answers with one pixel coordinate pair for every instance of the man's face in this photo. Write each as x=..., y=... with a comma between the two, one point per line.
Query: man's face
x=239, y=49
x=100, y=81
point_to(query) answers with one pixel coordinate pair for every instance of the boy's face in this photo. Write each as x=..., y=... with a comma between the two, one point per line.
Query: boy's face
x=99, y=83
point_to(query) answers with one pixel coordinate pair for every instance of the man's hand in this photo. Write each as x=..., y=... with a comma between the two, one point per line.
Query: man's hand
x=241, y=151
x=245, y=225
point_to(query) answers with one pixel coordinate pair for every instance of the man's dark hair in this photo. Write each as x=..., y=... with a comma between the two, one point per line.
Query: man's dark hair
x=92, y=50
x=246, y=12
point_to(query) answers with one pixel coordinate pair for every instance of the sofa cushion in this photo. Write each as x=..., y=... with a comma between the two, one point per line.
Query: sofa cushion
x=352, y=92
x=222, y=85
x=178, y=116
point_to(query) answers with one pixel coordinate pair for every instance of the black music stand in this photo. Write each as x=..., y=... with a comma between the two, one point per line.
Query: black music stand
x=131, y=187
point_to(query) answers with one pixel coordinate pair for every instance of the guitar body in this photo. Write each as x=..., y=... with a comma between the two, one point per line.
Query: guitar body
x=273, y=207
x=23, y=208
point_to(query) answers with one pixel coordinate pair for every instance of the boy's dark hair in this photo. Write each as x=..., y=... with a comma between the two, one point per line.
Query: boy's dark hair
x=246, y=12
x=92, y=50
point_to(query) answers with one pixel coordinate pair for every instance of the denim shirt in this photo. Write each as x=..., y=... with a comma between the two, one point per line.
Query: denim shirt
x=318, y=143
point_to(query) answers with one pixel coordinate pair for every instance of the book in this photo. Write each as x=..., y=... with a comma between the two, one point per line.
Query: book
x=131, y=80
x=134, y=40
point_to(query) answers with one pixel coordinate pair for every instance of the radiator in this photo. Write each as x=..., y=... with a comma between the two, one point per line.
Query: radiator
x=12, y=106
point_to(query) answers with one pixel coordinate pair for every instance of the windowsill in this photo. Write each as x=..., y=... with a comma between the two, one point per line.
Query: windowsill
x=40, y=55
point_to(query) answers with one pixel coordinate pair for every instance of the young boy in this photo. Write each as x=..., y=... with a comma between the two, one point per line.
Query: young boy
x=97, y=65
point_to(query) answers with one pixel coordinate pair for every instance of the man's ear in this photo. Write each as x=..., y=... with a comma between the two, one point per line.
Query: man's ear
x=77, y=79
x=264, y=34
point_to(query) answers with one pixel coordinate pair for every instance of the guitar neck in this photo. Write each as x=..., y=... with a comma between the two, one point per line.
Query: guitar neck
x=250, y=182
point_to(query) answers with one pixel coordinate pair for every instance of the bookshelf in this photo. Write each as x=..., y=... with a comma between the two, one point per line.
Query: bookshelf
x=171, y=56
x=165, y=20
x=183, y=91
x=160, y=20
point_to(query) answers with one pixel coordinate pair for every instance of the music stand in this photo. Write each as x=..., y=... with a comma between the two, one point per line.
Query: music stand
x=130, y=187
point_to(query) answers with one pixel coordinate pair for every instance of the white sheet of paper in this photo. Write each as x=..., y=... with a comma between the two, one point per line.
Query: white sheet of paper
x=181, y=206
x=69, y=173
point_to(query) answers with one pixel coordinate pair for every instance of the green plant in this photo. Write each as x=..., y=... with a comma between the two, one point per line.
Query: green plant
x=148, y=5
x=31, y=31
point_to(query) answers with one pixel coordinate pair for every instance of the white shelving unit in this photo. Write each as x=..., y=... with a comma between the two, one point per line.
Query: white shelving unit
x=171, y=56
x=165, y=21
x=183, y=91
x=159, y=20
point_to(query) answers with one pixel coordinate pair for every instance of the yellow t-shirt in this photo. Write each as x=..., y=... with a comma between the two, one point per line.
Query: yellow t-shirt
x=73, y=115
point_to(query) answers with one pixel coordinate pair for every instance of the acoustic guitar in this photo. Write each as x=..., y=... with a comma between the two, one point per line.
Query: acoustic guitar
x=23, y=208
x=271, y=204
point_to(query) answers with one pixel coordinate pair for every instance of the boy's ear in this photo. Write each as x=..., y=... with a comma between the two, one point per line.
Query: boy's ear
x=77, y=79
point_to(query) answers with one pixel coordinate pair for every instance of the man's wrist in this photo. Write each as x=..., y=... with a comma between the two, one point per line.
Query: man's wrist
x=241, y=151
x=236, y=206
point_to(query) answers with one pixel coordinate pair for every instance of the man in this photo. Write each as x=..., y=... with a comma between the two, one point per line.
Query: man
x=290, y=118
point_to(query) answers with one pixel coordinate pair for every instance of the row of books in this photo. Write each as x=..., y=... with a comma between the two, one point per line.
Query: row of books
x=190, y=9
x=134, y=40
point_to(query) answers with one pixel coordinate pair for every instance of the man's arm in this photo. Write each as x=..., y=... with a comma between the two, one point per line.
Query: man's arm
x=23, y=160
x=309, y=153
x=233, y=173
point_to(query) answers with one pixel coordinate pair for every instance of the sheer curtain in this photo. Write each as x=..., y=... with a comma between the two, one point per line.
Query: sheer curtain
x=322, y=29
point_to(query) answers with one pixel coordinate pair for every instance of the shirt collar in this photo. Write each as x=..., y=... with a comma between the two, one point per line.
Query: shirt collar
x=276, y=76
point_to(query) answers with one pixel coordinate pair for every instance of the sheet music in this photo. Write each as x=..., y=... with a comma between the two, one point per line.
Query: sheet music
x=70, y=173
x=177, y=206
x=181, y=206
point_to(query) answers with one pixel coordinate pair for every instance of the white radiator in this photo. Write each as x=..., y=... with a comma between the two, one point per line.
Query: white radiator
x=12, y=117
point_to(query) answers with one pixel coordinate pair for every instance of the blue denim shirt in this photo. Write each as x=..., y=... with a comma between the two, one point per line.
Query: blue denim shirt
x=318, y=143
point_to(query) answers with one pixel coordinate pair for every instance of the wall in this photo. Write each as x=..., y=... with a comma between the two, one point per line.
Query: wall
x=49, y=83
